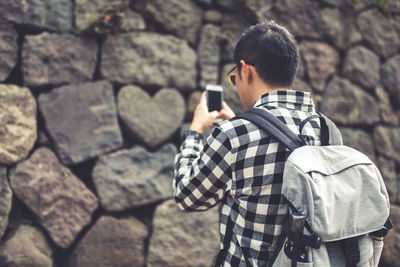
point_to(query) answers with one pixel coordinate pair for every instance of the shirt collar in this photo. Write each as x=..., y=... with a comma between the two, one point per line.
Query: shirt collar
x=289, y=99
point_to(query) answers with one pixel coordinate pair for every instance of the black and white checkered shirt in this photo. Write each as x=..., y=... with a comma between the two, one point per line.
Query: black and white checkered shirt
x=242, y=166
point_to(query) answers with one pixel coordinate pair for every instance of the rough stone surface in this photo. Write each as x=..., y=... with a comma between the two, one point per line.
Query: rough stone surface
x=55, y=15
x=377, y=30
x=338, y=29
x=111, y=242
x=134, y=177
x=192, y=103
x=386, y=142
x=18, y=126
x=230, y=4
x=209, y=55
x=89, y=125
x=8, y=48
x=213, y=16
x=345, y=103
x=180, y=17
x=88, y=11
x=205, y=2
x=396, y=23
x=299, y=84
x=183, y=239
x=301, y=72
x=390, y=74
x=231, y=30
x=362, y=67
x=388, y=115
x=320, y=61
x=262, y=9
x=301, y=17
x=152, y=120
x=52, y=59
x=27, y=247
x=391, y=249
x=132, y=21
x=5, y=200
x=230, y=94
x=359, y=140
x=62, y=203
x=387, y=168
x=149, y=59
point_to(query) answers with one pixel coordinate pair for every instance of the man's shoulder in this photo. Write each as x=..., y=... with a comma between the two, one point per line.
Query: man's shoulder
x=240, y=131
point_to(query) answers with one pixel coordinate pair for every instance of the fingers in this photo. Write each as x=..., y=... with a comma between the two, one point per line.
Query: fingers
x=226, y=115
x=203, y=99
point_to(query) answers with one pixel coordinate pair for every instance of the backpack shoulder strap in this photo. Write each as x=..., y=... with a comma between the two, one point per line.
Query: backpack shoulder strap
x=334, y=137
x=272, y=125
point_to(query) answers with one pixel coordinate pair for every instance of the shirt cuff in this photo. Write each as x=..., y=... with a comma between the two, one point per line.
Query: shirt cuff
x=194, y=134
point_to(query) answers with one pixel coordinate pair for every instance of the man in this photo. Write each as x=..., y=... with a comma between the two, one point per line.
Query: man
x=241, y=165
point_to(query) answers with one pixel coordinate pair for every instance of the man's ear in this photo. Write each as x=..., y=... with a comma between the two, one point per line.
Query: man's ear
x=247, y=71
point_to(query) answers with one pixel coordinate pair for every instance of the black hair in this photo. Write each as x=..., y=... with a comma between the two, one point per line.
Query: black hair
x=272, y=50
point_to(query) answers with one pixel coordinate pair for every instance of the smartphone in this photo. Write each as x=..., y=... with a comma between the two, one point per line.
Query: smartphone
x=214, y=97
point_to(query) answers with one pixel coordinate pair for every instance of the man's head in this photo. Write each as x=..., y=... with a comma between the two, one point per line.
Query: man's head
x=272, y=50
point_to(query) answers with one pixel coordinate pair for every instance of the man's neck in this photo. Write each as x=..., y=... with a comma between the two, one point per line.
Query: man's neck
x=260, y=88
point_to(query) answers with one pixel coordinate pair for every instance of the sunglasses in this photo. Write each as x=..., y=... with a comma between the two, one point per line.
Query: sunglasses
x=232, y=75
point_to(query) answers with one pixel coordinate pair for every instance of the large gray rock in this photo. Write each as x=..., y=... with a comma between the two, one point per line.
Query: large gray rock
x=391, y=251
x=112, y=242
x=299, y=84
x=54, y=15
x=88, y=11
x=388, y=115
x=5, y=200
x=230, y=5
x=338, y=30
x=301, y=17
x=386, y=142
x=134, y=177
x=362, y=67
x=61, y=202
x=232, y=28
x=183, y=239
x=261, y=9
x=18, y=126
x=209, y=55
x=396, y=23
x=390, y=74
x=388, y=171
x=27, y=247
x=8, y=48
x=52, y=59
x=132, y=21
x=359, y=140
x=346, y=103
x=81, y=120
x=149, y=59
x=192, y=103
x=180, y=17
x=320, y=61
x=231, y=96
x=377, y=30
x=213, y=16
x=152, y=120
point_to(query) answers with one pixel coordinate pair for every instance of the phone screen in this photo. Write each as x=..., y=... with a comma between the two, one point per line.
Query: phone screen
x=214, y=100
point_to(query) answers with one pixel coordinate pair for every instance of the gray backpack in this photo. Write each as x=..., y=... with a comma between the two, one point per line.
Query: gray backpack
x=338, y=203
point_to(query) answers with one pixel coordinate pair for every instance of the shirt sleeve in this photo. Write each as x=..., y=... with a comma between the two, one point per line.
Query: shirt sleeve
x=202, y=175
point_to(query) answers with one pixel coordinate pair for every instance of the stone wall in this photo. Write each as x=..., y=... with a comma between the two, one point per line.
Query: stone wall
x=90, y=122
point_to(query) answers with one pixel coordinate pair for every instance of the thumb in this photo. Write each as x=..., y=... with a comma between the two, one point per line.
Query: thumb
x=214, y=114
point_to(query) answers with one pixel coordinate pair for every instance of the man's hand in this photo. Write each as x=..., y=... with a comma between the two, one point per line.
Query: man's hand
x=202, y=119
